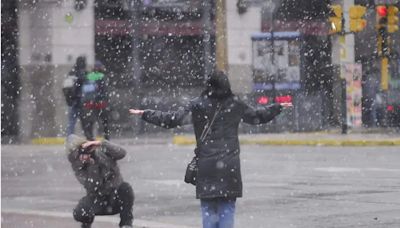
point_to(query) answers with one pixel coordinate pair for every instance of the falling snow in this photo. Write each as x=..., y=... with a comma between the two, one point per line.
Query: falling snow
x=158, y=55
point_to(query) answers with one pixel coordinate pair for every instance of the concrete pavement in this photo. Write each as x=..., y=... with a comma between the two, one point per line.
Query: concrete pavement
x=285, y=186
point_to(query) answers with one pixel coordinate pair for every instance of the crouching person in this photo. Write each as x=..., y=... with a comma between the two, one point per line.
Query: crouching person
x=95, y=166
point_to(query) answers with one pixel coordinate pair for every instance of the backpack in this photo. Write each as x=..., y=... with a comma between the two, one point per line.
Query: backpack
x=93, y=94
x=69, y=89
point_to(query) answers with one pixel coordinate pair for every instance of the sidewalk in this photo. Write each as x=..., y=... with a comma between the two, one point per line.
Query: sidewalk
x=331, y=138
x=361, y=137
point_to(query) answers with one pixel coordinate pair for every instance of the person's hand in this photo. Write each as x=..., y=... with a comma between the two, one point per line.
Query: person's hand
x=287, y=104
x=136, y=111
x=92, y=144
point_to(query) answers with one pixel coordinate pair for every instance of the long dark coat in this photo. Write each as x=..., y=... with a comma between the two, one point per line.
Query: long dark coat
x=219, y=172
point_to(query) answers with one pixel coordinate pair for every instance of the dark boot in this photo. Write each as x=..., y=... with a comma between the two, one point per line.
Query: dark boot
x=126, y=199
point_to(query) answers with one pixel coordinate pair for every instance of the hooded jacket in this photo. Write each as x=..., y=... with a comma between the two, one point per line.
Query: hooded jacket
x=219, y=173
x=103, y=176
x=79, y=71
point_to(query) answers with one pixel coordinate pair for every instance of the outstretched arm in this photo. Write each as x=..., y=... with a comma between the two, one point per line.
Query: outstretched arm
x=169, y=119
x=110, y=149
x=263, y=115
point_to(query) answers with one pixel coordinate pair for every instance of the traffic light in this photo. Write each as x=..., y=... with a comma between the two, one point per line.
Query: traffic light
x=336, y=19
x=381, y=16
x=356, y=13
x=392, y=19
x=382, y=28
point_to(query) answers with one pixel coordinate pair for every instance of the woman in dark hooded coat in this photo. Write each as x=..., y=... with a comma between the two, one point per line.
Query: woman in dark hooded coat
x=218, y=181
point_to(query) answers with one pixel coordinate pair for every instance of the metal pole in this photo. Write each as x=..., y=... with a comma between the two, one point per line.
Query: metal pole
x=220, y=36
x=344, y=106
x=134, y=8
x=274, y=72
x=344, y=88
x=342, y=39
x=272, y=28
x=273, y=63
x=384, y=74
x=207, y=38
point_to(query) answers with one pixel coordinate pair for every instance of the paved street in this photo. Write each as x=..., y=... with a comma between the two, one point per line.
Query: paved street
x=284, y=186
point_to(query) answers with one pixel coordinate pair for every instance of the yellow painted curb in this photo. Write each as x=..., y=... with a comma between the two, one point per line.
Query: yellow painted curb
x=185, y=140
x=48, y=141
x=52, y=140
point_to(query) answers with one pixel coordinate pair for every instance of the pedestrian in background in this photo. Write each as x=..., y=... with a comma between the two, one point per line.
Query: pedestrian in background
x=72, y=89
x=95, y=102
x=215, y=115
x=95, y=166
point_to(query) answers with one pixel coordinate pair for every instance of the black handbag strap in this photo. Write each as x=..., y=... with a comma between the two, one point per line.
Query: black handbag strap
x=207, y=127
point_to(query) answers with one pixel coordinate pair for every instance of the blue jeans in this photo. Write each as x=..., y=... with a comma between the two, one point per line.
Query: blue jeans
x=218, y=212
x=73, y=114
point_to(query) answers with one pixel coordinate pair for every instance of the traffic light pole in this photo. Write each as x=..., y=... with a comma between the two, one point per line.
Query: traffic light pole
x=221, y=57
x=383, y=45
x=134, y=13
x=343, y=95
x=383, y=52
x=343, y=53
x=387, y=23
x=207, y=38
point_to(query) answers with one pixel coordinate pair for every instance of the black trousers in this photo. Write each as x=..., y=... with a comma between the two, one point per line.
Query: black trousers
x=121, y=201
x=90, y=116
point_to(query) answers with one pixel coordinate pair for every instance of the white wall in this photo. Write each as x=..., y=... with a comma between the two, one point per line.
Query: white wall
x=71, y=40
x=35, y=33
x=45, y=31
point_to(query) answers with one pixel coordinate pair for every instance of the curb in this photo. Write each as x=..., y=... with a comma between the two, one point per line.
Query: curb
x=48, y=141
x=189, y=140
x=52, y=140
x=186, y=140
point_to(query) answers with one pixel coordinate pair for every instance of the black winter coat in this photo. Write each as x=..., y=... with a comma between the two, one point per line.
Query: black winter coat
x=76, y=95
x=219, y=172
x=102, y=177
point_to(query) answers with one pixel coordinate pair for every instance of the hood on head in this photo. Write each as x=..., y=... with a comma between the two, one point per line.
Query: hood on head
x=218, y=85
x=80, y=63
x=73, y=143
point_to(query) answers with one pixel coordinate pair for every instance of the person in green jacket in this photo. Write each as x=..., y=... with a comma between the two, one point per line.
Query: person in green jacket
x=95, y=103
